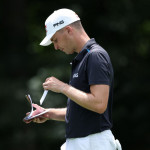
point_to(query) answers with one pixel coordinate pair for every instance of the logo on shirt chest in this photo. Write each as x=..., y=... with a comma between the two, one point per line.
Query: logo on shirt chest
x=75, y=75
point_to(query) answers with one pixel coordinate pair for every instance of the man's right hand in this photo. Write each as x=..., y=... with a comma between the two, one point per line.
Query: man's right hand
x=39, y=119
x=36, y=120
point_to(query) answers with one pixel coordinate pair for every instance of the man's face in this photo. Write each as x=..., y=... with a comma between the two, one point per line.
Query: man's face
x=62, y=40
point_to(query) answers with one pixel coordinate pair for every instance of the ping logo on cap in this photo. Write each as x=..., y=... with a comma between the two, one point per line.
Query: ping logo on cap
x=58, y=23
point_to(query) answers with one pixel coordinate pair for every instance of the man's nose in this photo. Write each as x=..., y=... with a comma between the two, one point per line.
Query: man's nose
x=56, y=46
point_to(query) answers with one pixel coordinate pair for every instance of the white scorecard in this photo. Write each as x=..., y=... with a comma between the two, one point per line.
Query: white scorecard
x=43, y=97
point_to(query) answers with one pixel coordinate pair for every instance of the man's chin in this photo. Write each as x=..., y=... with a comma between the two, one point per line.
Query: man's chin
x=68, y=53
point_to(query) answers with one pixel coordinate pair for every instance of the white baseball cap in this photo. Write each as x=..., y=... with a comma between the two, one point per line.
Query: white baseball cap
x=56, y=21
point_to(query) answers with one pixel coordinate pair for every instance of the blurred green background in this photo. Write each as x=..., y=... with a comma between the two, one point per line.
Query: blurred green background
x=122, y=27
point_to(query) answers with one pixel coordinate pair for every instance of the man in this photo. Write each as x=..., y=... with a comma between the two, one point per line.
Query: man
x=88, y=114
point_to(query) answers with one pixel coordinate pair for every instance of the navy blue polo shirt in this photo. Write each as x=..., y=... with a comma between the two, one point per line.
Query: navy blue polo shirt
x=90, y=67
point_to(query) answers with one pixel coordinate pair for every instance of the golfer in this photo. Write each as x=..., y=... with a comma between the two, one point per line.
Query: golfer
x=88, y=114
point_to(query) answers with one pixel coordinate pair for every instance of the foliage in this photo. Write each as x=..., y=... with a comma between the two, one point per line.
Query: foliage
x=122, y=27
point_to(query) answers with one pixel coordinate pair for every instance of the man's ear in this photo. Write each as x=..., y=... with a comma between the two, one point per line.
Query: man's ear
x=69, y=29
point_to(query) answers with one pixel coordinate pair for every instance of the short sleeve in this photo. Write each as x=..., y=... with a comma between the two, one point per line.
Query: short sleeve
x=98, y=68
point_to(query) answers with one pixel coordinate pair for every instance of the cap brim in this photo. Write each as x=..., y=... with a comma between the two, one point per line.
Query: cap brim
x=46, y=41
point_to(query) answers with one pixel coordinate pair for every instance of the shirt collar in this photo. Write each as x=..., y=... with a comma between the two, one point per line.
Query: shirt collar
x=86, y=48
